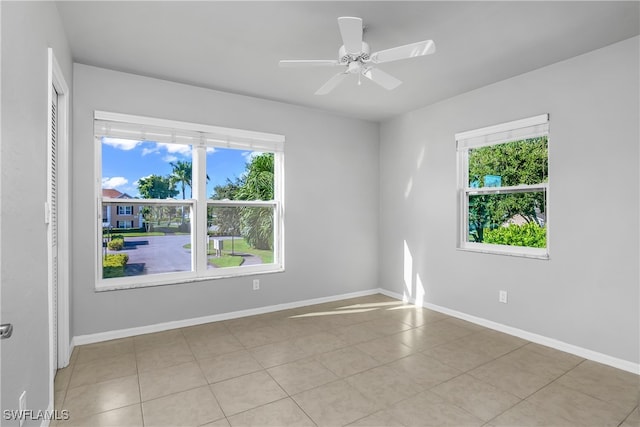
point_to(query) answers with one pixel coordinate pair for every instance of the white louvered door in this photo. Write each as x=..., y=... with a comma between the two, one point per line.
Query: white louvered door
x=52, y=201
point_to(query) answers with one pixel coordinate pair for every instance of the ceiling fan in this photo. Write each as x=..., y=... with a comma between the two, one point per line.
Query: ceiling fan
x=354, y=56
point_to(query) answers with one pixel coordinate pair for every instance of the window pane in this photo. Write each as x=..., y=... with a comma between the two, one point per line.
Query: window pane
x=239, y=174
x=515, y=219
x=509, y=164
x=158, y=241
x=239, y=236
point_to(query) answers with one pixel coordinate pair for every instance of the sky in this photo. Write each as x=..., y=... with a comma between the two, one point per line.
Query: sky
x=125, y=161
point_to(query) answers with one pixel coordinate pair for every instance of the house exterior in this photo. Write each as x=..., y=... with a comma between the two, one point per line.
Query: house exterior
x=120, y=215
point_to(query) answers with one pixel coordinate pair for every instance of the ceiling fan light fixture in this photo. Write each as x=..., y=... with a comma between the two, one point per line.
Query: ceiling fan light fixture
x=355, y=55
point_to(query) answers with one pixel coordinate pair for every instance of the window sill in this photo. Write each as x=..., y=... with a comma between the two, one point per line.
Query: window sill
x=175, y=279
x=516, y=251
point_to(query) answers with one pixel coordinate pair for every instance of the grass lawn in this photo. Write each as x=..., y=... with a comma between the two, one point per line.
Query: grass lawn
x=239, y=246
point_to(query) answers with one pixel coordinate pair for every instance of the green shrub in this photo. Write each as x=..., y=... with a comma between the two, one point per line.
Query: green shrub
x=529, y=235
x=113, y=265
x=116, y=244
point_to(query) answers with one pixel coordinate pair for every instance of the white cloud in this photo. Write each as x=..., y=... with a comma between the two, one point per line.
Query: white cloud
x=250, y=155
x=175, y=148
x=147, y=150
x=114, y=182
x=211, y=150
x=121, y=144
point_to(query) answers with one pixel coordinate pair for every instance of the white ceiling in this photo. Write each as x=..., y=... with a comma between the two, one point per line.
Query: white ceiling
x=235, y=46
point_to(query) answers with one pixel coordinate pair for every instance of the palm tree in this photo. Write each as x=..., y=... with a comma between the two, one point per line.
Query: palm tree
x=181, y=174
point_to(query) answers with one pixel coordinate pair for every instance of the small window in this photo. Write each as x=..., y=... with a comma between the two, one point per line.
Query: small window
x=503, y=188
x=202, y=201
x=125, y=210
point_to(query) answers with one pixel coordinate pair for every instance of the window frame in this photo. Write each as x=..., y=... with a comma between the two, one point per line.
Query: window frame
x=123, y=210
x=516, y=130
x=201, y=137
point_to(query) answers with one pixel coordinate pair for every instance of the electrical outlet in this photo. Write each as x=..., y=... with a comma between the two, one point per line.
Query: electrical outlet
x=502, y=297
x=22, y=406
x=256, y=284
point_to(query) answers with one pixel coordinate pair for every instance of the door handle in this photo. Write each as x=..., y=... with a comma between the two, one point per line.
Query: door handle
x=6, y=330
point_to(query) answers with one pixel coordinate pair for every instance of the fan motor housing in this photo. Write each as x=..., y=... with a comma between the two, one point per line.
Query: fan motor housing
x=346, y=57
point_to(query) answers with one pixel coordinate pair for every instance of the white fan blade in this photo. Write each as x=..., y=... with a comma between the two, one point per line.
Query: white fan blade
x=309, y=63
x=385, y=80
x=404, y=52
x=331, y=84
x=351, y=31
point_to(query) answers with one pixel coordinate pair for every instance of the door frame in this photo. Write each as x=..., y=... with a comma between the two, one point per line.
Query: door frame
x=56, y=80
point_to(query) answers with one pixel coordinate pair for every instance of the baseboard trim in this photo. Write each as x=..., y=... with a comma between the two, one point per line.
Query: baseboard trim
x=165, y=326
x=595, y=356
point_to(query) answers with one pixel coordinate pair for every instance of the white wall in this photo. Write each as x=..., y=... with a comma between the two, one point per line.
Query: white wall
x=587, y=293
x=28, y=29
x=331, y=198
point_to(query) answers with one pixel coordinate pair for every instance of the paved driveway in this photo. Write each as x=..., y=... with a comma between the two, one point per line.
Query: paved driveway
x=163, y=254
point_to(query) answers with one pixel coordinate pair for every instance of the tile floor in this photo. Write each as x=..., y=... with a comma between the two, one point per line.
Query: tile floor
x=369, y=361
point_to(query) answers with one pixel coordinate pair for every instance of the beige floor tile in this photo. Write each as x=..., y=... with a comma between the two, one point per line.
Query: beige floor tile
x=102, y=350
x=428, y=409
x=605, y=383
x=386, y=353
x=247, y=392
x=165, y=381
x=335, y=404
x=58, y=398
x=448, y=329
x=74, y=355
x=321, y=342
x=188, y=408
x=384, y=385
x=259, y=336
x=421, y=338
x=275, y=354
x=62, y=379
x=472, y=350
x=414, y=316
x=347, y=361
x=104, y=369
x=301, y=375
x=535, y=362
x=281, y=413
x=207, y=346
x=158, y=340
x=205, y=330
x=525, y=414
x=387, y=326
x=354, y=334
x=128, y=416
x=164, y=357
x=218, y=423
x=481, y=399
x=633, y=419
x=386, y=349
x=424, y=370
x=379, y=419
x=249, y=322
x=511, y=378
x=292, y=328
x=577, y=407
x=228, y=366
x=565, y=360
x=91, y=399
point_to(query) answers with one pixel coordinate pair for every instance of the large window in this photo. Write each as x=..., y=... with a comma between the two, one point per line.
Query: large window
x=207, y=201
x=503, y=185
